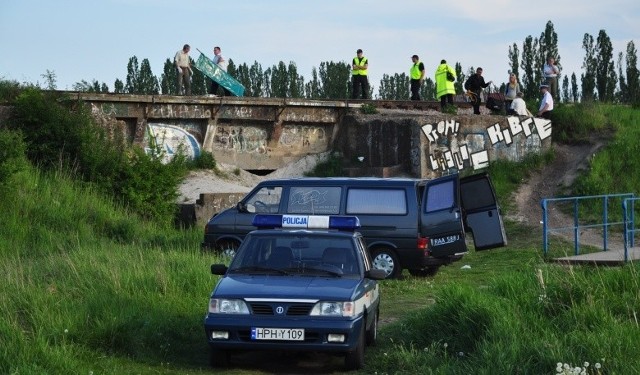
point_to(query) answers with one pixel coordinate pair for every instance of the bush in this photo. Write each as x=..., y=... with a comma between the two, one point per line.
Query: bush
x=331, y=167
x=12, y=154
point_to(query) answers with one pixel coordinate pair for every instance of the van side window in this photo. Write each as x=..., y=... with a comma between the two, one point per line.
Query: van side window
x=376, y=201
x=440, y=196
x=314, y=200
x=265, y=200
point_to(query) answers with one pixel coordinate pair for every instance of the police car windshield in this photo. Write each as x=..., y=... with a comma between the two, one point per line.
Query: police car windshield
x=306, y=254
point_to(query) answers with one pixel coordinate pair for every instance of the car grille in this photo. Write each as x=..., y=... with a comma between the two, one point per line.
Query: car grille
x=291, y=309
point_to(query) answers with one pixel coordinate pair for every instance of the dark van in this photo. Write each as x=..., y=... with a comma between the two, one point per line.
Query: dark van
x=407, y=223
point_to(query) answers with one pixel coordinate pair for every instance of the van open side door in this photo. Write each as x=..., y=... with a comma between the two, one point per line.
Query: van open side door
x=481, y=213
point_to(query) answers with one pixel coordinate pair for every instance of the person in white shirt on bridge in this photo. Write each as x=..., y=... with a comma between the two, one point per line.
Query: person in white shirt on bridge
x=518, y=106
x=222, y=63
x=183, y=65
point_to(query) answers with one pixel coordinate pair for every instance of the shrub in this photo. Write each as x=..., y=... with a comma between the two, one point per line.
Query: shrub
x=12, y=154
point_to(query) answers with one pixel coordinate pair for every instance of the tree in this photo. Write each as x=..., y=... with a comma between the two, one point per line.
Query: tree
x=623, y=94
x=514, y=56
x=279, y=80
x=169, y=78
x=93, y=86
x=198, y=81
x=147, y=82
x=394, y=87
x=529, y=83
x=133, y=72
x=589, y=64
x=633, y=75
x=428, y=90
x=50, y=79
x=548, y=44
x=118, y=86
x=296, y=82
x=605, y=72
x=566, y=97
x=575, y=93
x=312, y=88
x=460, y=78
x=335, y=78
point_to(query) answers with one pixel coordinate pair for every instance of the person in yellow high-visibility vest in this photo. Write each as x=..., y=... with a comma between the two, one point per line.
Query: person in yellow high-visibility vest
x=417, y=76
x=445, y=88
x=359, y=78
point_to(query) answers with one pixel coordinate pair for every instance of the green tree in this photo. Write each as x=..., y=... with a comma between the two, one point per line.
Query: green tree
x=133, y=72
x=529, y=83
x=313, y=88
x=566, y=97
x=147, y=82
x=50, y=79
x=589, y=65
x=623, y=94
x=514, y=57
x=633, y=74
x=335, y=79
x=394, y=87
x=548, y=44
x=605, y=71
x=118, y=86
x=93, y=86
x=296, y=82
x=279, y=80
x=460, y=79
x=575, y=92
x=257, y=79
x=198, y=81
x=428, y=89
x=169, y=78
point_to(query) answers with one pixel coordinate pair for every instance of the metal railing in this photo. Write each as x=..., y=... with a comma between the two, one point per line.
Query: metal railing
x=628, y=206
x=576, y=223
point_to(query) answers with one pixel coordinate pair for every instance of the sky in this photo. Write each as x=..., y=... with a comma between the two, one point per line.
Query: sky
x=94, y=39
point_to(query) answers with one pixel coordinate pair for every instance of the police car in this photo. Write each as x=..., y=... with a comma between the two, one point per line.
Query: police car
x=299, y=283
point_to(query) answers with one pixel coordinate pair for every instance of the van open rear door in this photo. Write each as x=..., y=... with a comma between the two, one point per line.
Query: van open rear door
x=481, y=212
x=441, y=217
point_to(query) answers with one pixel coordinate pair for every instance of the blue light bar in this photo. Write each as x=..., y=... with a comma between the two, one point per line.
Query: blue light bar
x=349, y=223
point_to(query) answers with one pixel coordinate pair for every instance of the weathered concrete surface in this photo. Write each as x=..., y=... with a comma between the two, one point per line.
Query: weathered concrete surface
x=267, y=133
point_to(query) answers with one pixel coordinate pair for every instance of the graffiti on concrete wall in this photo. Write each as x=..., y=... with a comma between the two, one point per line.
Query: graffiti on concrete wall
x=241, y=139
x=170, y=140
x=179, y=111
x=451, y=150
x=253, y=139
x=301, y=135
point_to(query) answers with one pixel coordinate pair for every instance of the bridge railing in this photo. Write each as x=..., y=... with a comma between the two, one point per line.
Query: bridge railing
x=577, y=225
x=628, y=207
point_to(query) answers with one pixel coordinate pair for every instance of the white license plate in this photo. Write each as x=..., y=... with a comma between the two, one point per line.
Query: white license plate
x=286, y=334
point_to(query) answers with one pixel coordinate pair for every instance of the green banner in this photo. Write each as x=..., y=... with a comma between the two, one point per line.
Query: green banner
x=211, y=70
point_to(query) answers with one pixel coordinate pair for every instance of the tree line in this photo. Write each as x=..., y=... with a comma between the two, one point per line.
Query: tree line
x=602, y=78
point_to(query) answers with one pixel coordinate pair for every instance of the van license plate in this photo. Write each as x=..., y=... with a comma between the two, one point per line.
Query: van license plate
x=286, y=334
x=445, y=240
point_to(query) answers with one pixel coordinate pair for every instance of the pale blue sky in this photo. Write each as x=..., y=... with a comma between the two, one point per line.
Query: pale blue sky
x=94, y=39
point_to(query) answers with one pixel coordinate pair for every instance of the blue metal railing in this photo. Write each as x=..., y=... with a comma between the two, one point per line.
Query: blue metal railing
x=576, y=223
x=629, y=224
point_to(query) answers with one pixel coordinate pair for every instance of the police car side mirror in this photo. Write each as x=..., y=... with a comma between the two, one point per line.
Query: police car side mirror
x=241, y=207
x=218, y=269
x=376, y=274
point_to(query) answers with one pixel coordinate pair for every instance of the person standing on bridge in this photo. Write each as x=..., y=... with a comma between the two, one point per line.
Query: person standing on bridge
x=222, y=63
x=417, y=77
x=475, y=83
x=183, y=65
x=445, y=78
x=359, y=79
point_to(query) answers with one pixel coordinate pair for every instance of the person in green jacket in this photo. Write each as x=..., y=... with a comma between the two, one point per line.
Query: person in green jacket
x=445, y=84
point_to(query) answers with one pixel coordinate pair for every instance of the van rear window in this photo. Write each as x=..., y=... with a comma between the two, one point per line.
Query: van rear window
x=440, y=196
x=314, y=200
x=376, y=201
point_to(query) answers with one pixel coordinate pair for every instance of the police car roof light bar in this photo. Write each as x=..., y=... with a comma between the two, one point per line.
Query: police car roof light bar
x=348, y=223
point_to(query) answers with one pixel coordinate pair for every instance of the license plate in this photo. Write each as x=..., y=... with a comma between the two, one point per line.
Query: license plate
x=286, y=334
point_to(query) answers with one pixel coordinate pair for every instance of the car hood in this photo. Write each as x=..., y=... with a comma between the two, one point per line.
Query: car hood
x=299, y=287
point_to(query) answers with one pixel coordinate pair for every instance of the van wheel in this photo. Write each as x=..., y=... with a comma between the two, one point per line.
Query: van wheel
x=228, y=248
x=386, y=259
x=426, y=272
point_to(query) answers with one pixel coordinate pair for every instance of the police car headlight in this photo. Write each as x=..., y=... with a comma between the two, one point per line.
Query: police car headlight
x=227, y=306
x=333, y=309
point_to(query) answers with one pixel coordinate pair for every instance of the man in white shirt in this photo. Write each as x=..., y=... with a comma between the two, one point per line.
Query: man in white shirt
x=222, y=63
x=551, y=72
x=546, y=105
x=183, y=65
x=518, y=106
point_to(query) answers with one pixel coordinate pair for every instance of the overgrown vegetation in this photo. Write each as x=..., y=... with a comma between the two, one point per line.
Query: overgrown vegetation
x=333, y=166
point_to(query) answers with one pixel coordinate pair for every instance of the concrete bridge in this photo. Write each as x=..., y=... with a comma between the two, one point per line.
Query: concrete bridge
x=264, y=134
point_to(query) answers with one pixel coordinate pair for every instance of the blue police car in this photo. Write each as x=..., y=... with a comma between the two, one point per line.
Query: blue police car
x=299, y=283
